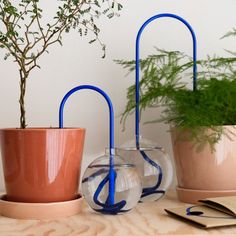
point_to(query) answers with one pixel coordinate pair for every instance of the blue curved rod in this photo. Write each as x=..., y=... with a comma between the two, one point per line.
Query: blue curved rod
x=137, y=116
x=111, y=197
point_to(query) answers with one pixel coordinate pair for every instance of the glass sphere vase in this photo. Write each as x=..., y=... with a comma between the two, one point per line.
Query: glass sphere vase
x=153, y=165
x=128, y=188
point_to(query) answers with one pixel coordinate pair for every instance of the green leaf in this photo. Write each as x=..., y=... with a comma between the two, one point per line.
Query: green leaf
x=229, y=34
x=119, y=7
x=7, y=55
x=92, y=41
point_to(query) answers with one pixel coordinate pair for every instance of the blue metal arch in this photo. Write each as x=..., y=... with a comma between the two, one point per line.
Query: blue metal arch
x=111, y=197
x=137, y=58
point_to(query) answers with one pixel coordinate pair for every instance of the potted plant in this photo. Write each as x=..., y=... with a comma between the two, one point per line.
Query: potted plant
x=43, y=164
x=202, y=122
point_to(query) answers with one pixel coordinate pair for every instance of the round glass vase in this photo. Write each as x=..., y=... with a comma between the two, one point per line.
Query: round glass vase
x=153, y=165
x=128, y=188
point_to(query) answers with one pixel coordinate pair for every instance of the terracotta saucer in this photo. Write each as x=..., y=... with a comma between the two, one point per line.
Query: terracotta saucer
x=193, y=196
x=39, y=211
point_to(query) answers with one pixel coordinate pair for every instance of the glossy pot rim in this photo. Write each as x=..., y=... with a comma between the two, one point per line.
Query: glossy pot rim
x=225, y=126
x=41, y=129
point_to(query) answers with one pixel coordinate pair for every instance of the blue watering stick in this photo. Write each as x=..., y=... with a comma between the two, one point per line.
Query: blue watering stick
x=109, y=206
x=147, y=191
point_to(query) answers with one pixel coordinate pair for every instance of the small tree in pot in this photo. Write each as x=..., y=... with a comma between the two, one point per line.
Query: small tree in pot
x=203, y=133
x=43, y=165
x=26, y=38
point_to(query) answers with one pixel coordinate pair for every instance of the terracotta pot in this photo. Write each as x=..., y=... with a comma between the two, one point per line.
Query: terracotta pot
x=40, y=164
x=205, y=173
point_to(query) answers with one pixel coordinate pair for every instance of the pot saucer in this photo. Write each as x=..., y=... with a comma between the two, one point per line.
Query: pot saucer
x=193, y=196
x=40, y=211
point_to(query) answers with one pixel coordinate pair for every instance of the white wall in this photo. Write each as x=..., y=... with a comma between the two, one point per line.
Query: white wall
x=78, y=63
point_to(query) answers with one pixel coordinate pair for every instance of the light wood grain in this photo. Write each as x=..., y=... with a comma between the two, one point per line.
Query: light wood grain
x=147, y=219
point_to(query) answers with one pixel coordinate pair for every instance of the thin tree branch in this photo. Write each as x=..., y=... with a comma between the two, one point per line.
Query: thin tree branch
x=20, y=16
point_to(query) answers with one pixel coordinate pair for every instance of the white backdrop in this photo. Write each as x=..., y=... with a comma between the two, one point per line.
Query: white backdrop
x=78, y=63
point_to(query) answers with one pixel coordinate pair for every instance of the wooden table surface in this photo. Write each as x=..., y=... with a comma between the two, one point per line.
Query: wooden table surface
x=146, y=219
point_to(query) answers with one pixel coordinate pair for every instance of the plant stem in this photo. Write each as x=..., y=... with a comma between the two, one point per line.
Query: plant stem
x=23, y=78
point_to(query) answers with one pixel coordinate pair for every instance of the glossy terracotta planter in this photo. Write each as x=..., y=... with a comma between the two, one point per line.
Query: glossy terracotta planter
x=41, y=165
x=204, y=173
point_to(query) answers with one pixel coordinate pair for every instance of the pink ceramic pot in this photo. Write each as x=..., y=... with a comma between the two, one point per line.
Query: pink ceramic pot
x=205, y=173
